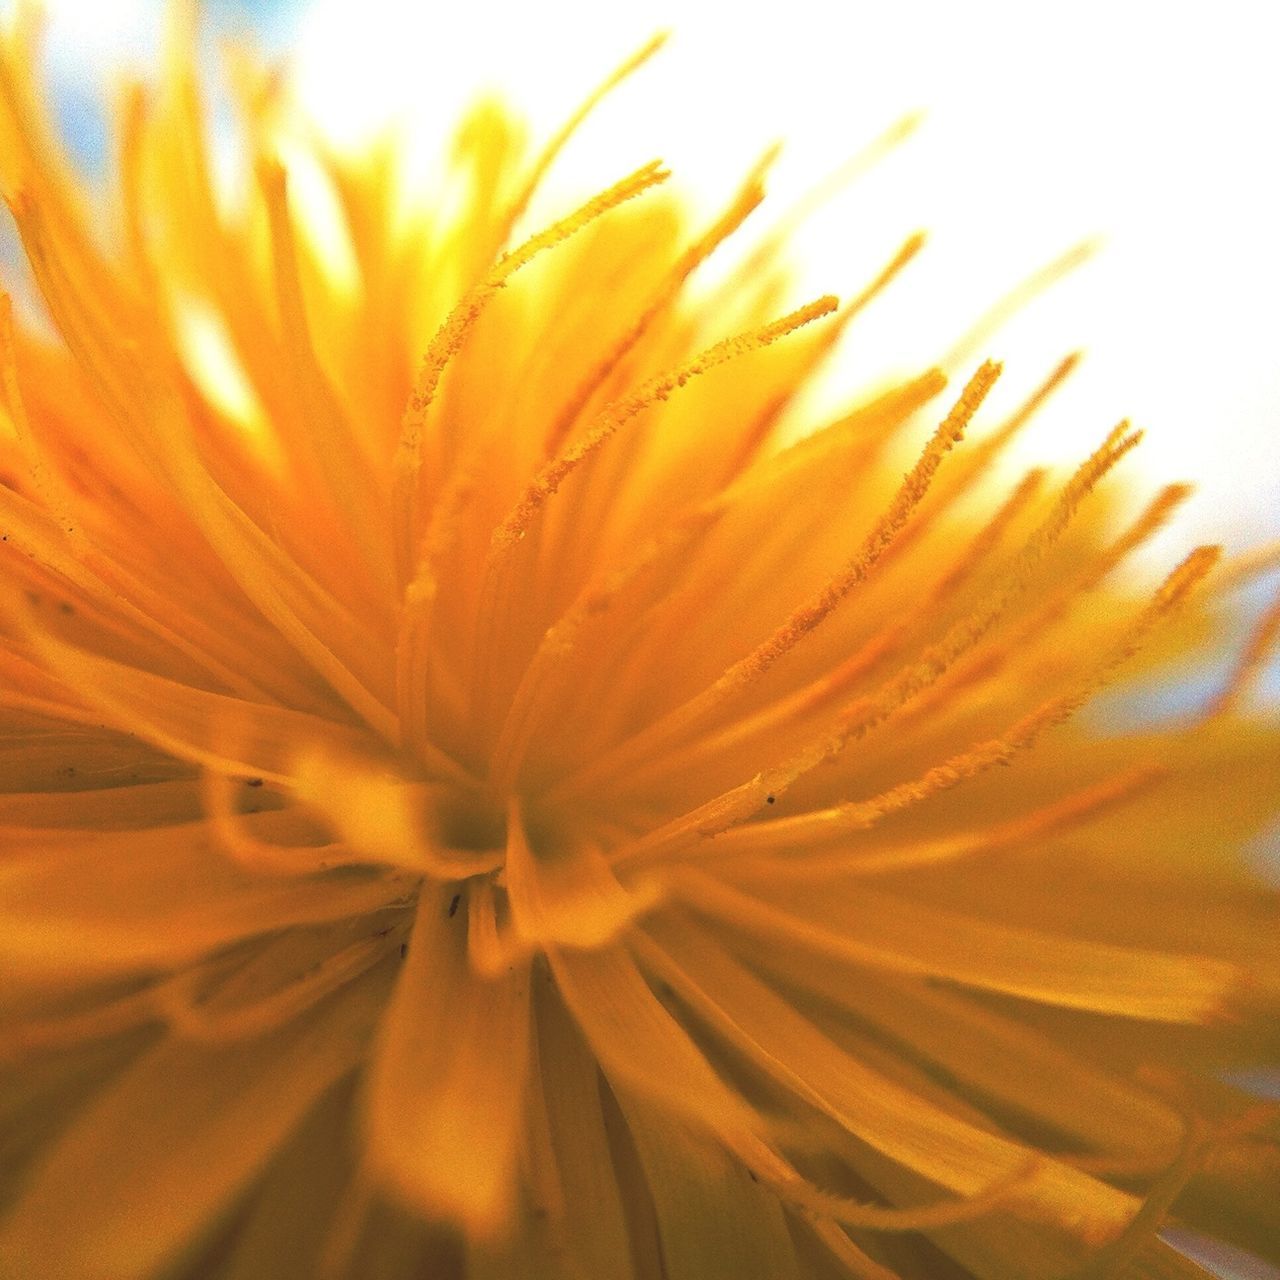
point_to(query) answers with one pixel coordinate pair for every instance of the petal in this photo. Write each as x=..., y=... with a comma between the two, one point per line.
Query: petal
x=130, y=900
x=595, y=1224
x=158, y=1155
x=296, y=1202
x=567, y=893
x=713, y=1217
x=446, y=1085
x=887, y=1115
x=1000, y=1246
x=212, y=729
x=997, y=1057
x=888, y=931
x=36, y=1105
x=148, y=804
x=641, y=1046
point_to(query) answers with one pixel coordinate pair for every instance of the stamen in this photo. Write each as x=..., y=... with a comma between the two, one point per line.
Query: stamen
x=462, y=319
x=504, y=561
x=814, y=611
x=549, y=669
x=766, y=254
x=1033, y=634
x=417, y=613
x=759, y=432
x=558, y=140
x=1250, y=565
x=548, y=481
x=1065, y=814
x=735, y=806
x=744, y=203
x=1020, y=736
x=796, y=479
x=978, y=459
x=819, y=693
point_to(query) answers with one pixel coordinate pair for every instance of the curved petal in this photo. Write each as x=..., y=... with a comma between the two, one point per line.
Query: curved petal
x=194, y=1125
x=135, y=900
x=447, y=1081
x=714, y=1218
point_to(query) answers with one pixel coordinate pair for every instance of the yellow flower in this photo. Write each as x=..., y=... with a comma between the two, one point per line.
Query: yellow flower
x=499, y=813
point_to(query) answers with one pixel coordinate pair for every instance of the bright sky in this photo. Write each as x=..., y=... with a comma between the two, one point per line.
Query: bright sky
x=1149, y=123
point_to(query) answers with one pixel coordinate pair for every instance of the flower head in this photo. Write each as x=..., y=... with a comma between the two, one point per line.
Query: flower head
x=476, y=804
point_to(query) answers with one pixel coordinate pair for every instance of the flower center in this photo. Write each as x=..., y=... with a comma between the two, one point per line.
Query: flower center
x=471, y=821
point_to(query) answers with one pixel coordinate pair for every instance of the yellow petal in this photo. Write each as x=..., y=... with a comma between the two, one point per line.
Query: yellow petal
x=997, y=1056
x=297, y=1201
x=714, y=1218
x=447, y=1080
x=886, y=1115
x=194, y=724
x=156, y=898
x=148, y=804
x=640, y=1045
x=167, y=1146
x=567, y=894
x=894, y=932
x=595, y=1225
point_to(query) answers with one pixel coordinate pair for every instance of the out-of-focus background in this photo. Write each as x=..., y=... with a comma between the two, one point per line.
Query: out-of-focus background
x=1149, y=125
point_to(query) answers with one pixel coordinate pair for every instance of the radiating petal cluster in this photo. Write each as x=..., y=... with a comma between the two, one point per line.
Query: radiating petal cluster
x=482, y=795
